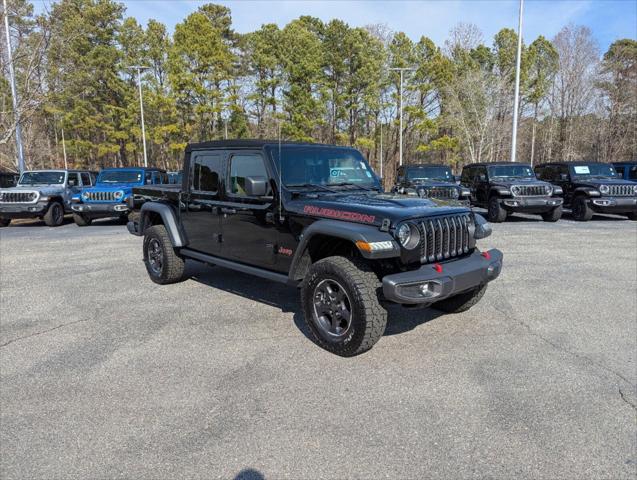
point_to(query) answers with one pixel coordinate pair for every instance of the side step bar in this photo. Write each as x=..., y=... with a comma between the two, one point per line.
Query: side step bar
x=240, y=267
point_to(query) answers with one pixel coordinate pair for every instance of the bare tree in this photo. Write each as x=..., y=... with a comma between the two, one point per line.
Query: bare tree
x=573, y=89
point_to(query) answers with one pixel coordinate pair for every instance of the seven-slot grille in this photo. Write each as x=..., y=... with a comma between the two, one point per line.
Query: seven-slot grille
x=530, y=190
x=620, y=190
x=439, y=192
x=18, y=197
x=444, y=237
x=100, y=196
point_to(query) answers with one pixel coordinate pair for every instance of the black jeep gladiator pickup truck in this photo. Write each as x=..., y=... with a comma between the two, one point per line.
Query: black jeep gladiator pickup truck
x=314, y=216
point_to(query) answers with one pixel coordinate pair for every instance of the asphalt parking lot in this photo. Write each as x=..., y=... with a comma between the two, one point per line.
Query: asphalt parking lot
x=105, y=374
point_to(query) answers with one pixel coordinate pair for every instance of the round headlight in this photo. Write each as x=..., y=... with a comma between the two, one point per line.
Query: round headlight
x=548, y=189
x=85, y=195
x=422, y=192
x=119, y=194
x=408, y=236
x=455, y=193
x=635, y=189
x=515, y=190
x=604, y=188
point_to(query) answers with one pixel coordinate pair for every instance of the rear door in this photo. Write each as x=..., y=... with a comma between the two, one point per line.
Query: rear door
x=249, y=234
x=481, y=183
x=200, y=212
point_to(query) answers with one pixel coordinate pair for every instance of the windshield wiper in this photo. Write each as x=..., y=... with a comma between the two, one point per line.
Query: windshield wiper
x=349, y=184
x=310, y=185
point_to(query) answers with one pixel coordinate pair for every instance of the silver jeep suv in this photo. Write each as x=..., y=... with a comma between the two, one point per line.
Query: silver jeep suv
x=44, y=194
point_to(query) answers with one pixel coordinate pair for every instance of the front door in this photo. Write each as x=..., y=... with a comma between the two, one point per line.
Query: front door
x=200, y=212
x=249, y=234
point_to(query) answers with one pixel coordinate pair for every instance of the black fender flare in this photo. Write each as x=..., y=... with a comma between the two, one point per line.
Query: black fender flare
x=352, y=232
x=499, y=191
x=588, y=191
x=169, y=218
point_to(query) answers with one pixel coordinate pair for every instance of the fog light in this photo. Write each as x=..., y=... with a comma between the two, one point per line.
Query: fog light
x=33, y=209
x=420, y=291
x=493, y=270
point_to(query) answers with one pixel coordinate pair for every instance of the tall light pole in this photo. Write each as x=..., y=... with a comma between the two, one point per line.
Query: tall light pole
x=14, y=93
x=139, y=69
x=516, y=100
x=381, y=149
x=401, y=70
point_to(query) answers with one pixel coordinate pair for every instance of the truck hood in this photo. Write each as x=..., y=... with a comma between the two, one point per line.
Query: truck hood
x=507, y=182
x=596, y=182
x=372, y=208
x=111, y=187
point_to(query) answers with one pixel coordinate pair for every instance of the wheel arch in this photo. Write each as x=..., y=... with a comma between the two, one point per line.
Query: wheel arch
x=326, y=238
x=155, y=213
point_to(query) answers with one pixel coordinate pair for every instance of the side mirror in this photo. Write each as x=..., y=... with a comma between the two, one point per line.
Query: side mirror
x=72, y=183
x=563, y=177
x=483, y=229
x=256, y=186
x=482, y=177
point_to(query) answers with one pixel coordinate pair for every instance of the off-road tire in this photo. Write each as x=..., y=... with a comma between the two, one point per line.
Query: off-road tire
x=54, y=216
x=4, y=222
x=461, y=302
x=81, y=220
x=496, y=213
x=362, y=286
x=632, y=216
x=552, y=215
x=580, y=209
x=171, y=268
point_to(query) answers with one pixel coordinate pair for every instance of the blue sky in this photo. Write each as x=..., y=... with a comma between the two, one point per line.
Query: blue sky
x=608, y=19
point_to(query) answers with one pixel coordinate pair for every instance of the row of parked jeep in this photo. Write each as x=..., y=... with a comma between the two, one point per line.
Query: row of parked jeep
x=502, y=188
x=51, y=194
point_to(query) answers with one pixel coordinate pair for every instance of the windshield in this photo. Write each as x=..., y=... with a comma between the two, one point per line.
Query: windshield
x=602, y=170
x=305, y=166
x=430, y=173
x=120, y=176
x=511, y=171
x=42, y=178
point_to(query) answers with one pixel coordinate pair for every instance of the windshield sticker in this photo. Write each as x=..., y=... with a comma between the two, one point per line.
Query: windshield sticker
x=339, y=172
x=582, y=170
x=339, y=214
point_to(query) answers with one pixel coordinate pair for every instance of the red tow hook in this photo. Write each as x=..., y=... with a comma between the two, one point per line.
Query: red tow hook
x=486, y=255
x=437, y=267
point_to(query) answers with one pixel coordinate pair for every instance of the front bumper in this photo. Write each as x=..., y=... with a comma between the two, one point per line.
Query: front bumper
x=95, y=210
x=614, y=204
x=428, y=284
x=531, y=204
x=23, y=210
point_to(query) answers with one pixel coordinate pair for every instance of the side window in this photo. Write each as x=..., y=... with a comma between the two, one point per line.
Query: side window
x=205, y=173
x=73, y=180
x=465, y=177
x=620, y=171
x=562, y=170
x=148, y=178
x=632, y=173
x=481, y=171
x=86, y=179
x=242, y=166
x=163, y=178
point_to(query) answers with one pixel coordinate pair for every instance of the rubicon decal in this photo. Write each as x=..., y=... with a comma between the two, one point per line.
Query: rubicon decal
x=339, y=214
x=285, y=251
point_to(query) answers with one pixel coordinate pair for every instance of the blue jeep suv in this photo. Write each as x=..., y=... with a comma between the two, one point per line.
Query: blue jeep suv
x=109, y=198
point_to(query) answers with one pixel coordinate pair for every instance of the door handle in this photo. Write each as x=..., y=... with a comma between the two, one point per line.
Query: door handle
x=228, y=211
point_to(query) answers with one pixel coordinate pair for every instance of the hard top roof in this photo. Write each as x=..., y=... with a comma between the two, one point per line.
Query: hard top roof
x=251, y=143
x=494, y=164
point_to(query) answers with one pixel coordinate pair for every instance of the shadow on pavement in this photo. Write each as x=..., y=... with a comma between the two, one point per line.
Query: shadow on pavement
x=400, y=320
x=249, y=474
